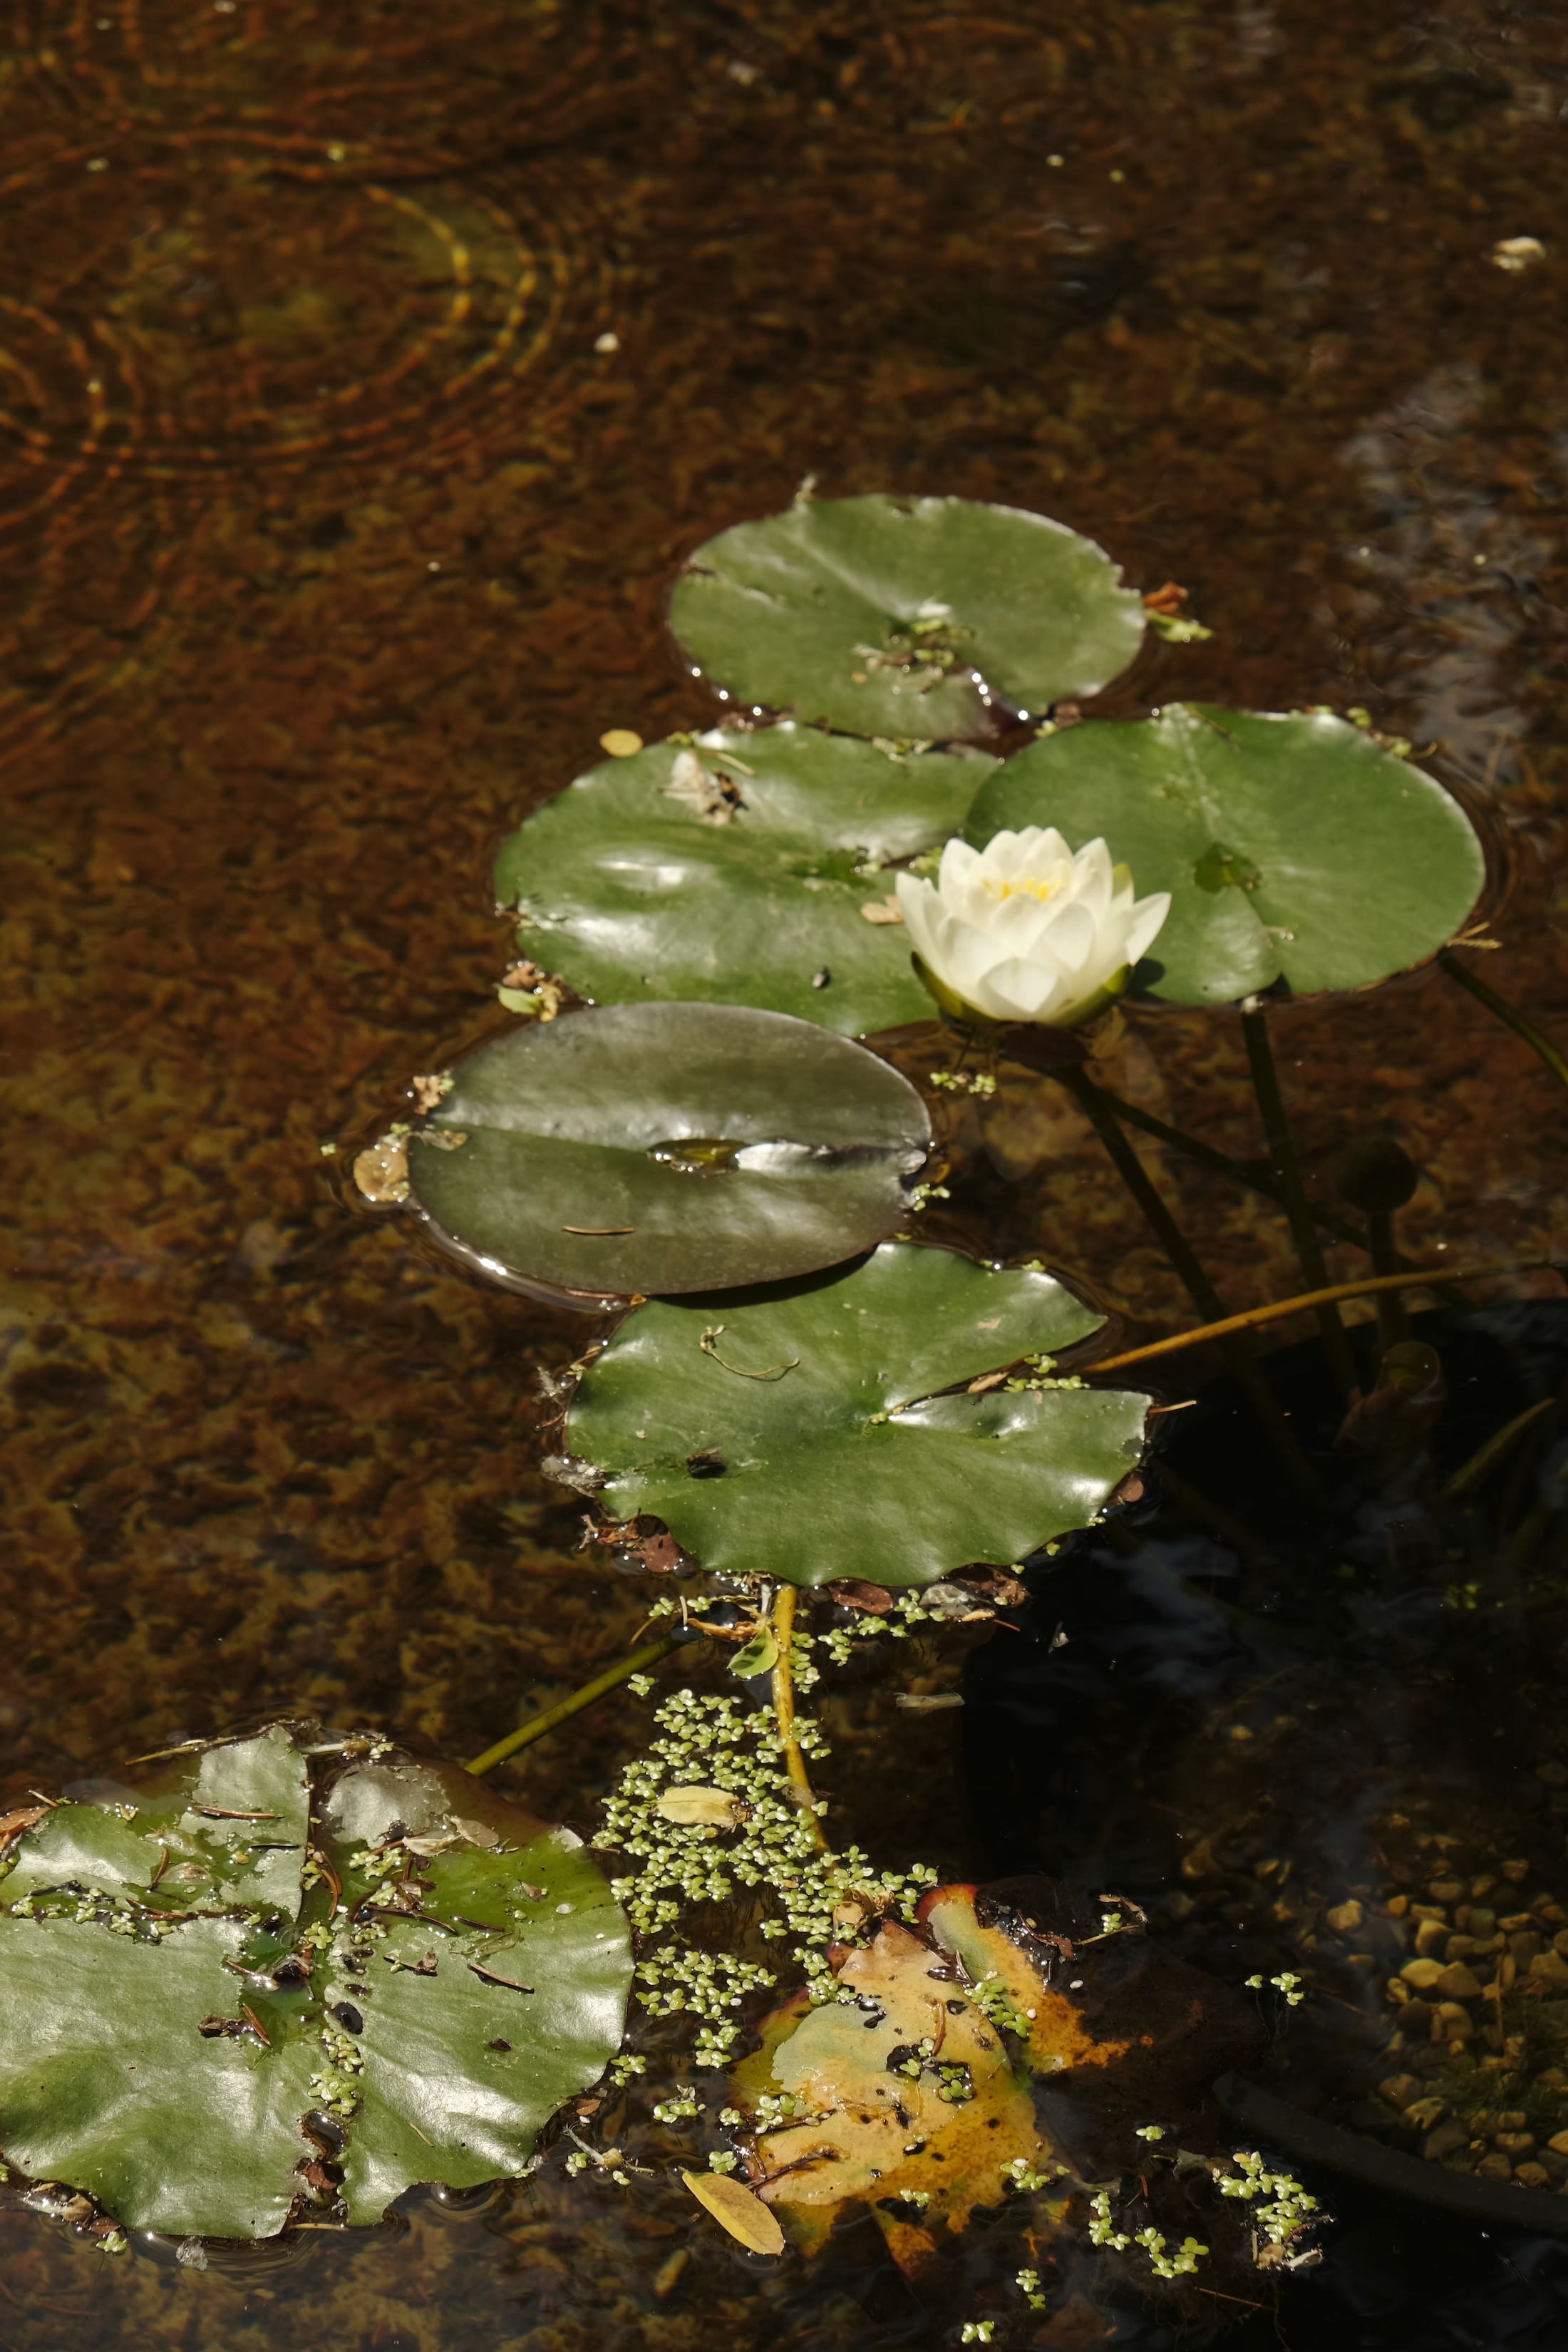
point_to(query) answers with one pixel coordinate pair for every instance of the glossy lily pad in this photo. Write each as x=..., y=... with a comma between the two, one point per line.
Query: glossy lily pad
x=743, y=868
x=667, y=1148
x=1294, y=847
x=279, y=1978
x=904, y=616
x=800, y=1433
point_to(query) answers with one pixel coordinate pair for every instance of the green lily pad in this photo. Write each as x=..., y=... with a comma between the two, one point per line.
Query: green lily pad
x=667, y=1148
x=800, y=1433
x=904, y=616
x=736, y=869
x=1294, y=847
x=278, y=1957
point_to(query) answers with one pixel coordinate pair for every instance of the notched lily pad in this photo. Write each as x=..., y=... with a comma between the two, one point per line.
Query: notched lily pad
x=742, y=869
x=905, y=617
x=801, y=1432
x=667, y=1148
x=1294, y=847
x=282, y=1977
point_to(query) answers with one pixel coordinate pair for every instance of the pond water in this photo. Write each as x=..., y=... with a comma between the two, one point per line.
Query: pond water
x=364, y=373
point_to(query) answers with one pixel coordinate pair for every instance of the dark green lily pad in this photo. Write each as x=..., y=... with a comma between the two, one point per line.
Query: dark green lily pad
x=1294, y=847
x=904, y=616
x=736, y=869
x=185, y=1986
x=800, y=1434
x=667, y=1148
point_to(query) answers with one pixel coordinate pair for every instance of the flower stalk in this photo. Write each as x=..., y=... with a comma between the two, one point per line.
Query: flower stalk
x=1293, y=1192
x=1200, y=1289
x=1509, y=1014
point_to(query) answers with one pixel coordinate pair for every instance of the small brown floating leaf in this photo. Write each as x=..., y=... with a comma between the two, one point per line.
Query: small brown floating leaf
x=381, y=1171
x=736, y=2209
x=717, y=1808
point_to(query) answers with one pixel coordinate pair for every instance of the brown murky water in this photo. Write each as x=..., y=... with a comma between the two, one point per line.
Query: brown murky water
x=336, y=530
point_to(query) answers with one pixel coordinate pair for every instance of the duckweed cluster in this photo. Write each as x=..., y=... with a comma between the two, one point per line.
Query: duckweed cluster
x=1279, y=2204
x=770, y=1855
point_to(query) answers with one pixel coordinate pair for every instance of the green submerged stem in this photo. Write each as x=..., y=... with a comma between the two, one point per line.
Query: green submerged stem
x=1293, y=1192
x=783, y=1623
x=1252, y=1178
x=1200, y=1289
x=1509, y=1014
x=1392, y=1322
x=526, y=1733
x=1206, y=1155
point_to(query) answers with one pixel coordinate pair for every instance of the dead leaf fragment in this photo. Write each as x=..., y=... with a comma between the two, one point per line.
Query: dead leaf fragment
x=733, y=2207
x=712, y=797
x=881, y=910
x=14, y=1825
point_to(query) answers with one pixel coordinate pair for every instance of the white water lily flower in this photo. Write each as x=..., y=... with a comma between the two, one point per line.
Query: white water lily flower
x=1024, y=931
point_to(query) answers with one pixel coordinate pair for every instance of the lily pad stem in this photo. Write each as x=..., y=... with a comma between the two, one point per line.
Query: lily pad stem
x=1392, y=1322
x=1292, y=1191
x=782, y=1622
x=1431, y=1278
x=527, y=1733
x=1200, y=1289
x=1506, y=1012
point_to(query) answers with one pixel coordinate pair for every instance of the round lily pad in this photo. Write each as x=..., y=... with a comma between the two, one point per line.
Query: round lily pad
x=290, y=1975
x=1294, y=847
x=667, y=1148
x=803, y=1433
x=740, y=867
x=904, y=618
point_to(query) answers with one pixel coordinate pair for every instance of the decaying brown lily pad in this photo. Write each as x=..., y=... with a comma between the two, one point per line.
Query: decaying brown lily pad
x=1011, y=2038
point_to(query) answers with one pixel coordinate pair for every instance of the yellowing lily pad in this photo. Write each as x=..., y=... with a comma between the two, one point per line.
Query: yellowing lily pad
x=927, y=2091
x=911, y=2103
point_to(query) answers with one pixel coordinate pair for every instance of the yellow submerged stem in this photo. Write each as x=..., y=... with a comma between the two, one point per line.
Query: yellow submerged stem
x=783, y=1623
x=1414, y=1280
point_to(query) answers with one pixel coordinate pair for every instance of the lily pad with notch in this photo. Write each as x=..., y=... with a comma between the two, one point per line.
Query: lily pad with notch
x=1293, y=847
x=801, y=1432
x=905, y=617
x=426, y=1976
x=641, y=1147
x=742, y=867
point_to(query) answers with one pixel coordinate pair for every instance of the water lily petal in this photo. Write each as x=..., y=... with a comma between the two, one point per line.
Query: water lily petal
x=1148, y=915
x=920, y=907
x=1073, y=942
